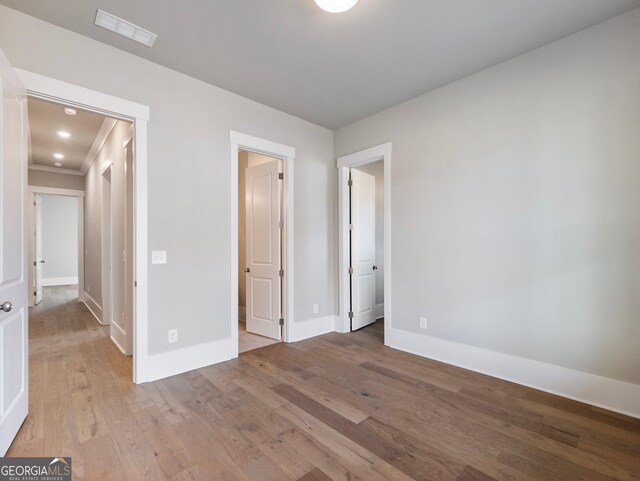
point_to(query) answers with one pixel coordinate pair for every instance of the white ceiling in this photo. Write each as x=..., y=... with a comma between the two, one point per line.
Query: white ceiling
x=332, y=69
x=46, y=119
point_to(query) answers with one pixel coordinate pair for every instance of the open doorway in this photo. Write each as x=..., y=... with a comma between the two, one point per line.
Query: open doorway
x=80, y=176
x=261, y=241
x=365, y=241
x=55, y=242
x=260, y=250
x=366, y=245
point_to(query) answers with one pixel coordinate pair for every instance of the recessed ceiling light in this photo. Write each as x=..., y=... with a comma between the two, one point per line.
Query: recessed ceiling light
x=124, y=28
x=58, y=156
x=58, y=164
x=336, y=6
x=63, y=134
x=70, y=111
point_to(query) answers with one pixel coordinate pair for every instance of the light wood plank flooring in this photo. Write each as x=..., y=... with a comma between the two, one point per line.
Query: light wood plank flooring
x=338, y=407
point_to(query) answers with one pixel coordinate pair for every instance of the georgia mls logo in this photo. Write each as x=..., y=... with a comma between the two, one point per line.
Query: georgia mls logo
x=35, y=469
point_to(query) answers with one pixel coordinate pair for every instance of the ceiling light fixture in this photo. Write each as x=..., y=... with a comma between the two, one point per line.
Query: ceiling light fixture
x=124, y=28
x=63, y=134
x=58, y=164
x=70, y=111
x=58, y=156
x=336, y=6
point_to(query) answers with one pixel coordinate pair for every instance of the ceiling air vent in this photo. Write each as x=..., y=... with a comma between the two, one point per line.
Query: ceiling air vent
x=124, y=28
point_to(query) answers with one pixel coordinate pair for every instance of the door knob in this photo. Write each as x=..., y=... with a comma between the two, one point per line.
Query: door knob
x=375, y=268
x=246, y=269
x=6, y=306
x=42, y=261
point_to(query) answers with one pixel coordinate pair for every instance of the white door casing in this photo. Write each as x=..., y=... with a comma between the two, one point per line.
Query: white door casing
x=38, y=260
x=263, y=249
x=14, y=369
x=363, y=249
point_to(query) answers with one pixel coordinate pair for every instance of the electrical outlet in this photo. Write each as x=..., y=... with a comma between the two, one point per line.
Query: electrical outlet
x=173, y=336
x=423, y=323
x=315, y=309
x=159, y=257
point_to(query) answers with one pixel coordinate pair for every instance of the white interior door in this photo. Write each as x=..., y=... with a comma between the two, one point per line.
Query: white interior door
x=263, y=249
x=363, y=249
x=39, y=261
x=14, y=384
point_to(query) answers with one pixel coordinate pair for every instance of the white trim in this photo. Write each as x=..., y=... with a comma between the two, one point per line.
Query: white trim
x=92, y=305
x=366, y=156
x=611, y=394
x=62, y=92
x=255, y=144
x=120, y=333
x=36, y=189
x=59, y=281
x=45, y=87
x=56, y=170
x=373, y=154
x=313, y=327
x=189, y=358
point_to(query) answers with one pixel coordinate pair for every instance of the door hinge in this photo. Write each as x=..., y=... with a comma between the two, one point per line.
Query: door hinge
x=280, y=176
x=34, y=263
x=281, y=272
x=350, y=270
x=350, y=183
x=350, y=314
x=281, y=320
x=135, y=283
x=35, y=293
x=350, y=226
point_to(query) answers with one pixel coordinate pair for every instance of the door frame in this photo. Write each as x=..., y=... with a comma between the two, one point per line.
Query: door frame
x=381, y=152
x=106, y=247
x=79, y=195
x=242, y=141
x=65, y=93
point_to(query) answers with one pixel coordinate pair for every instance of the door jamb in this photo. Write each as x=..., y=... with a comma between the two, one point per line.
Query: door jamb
x=373, y=154
x=79, y=194
x=65, y=93
x=242, y=141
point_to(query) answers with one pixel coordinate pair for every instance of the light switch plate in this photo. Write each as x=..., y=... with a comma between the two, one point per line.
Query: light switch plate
x=159, y=257
x=315, y=308
x=423, y=323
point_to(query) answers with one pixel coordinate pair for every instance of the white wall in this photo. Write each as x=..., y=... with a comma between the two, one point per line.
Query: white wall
x=377, y=170
x=515, y=197
x=59, y=240
x=188, y=174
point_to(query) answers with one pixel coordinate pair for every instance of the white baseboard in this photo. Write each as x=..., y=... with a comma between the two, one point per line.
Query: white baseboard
x=166, y=364
x=379, y=311
x=611, y=394
x=92, y=305
x=59, y=281
x=118, y=336
x=242, y=313
x=299, y=331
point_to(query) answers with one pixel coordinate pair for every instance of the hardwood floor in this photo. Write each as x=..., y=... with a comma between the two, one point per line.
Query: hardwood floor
x=338, y=407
